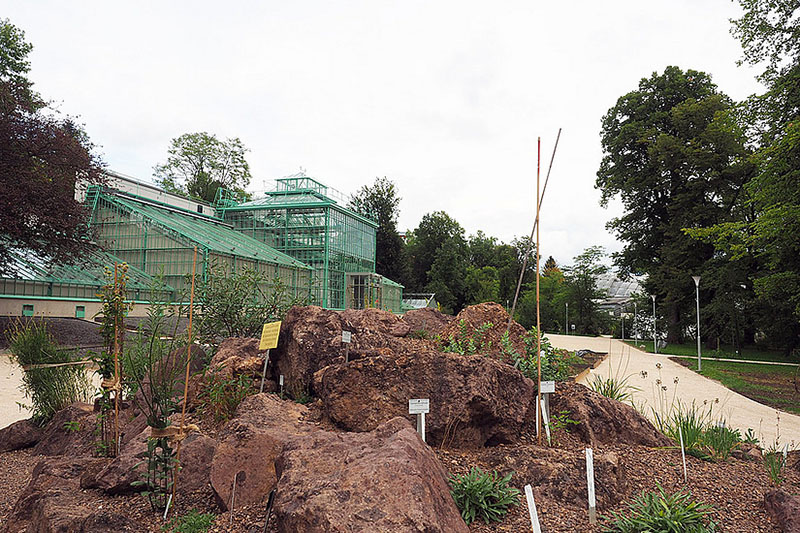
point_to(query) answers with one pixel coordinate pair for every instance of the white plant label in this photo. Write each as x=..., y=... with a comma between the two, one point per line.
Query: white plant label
x=683, y=455
x=419, y=406
x=280, y=380
x=590, y=486
x=346, y=337
x=532, y=510
x=548, y=387
x=546, y=420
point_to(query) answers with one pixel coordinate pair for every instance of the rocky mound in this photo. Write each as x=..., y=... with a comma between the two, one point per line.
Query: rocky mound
x=602, y=420
x=475, y=400
x=475, y=316
x=387, y=480
x=428, y=320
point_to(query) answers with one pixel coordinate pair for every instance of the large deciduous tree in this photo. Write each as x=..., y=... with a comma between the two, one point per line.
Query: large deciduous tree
x=675, y=155
x=198, y=164
x=42, y=158
x=380, y=202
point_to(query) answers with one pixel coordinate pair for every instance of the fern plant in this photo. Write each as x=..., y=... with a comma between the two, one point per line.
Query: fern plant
x=483, y=495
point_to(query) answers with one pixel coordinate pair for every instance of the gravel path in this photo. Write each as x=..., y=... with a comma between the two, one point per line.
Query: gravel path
x=661, y=383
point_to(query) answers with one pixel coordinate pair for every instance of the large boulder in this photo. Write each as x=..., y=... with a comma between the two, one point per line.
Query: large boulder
x=53, y=502
x=783, y=509
x=602, y=420
x=426, y=322
x=71, y=432
x=474, y=400
x=21, y=434
x=472, y=317
x=311, y=339
x=249, y=444
x=120, y=475
x=387, y=480
x=236, y=356
x=560, y=474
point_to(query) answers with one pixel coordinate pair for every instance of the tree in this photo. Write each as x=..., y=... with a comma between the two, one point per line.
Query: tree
x=582, y=291
x=42, y=157
x=675, y=155
x=199, y=164
x=380, y=203
x=482, y=284
x=424, y=242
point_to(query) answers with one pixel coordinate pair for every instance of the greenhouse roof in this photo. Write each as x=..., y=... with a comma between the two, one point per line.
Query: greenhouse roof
x=387, y=281
x=209, y=233
x=29, y=266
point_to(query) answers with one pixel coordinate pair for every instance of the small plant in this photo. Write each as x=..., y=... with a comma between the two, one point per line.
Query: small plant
x=192, y=522
x=658, y=511
x=720, y=441
x=49, y=388
x=466, y=342
x=692, y=423
x=612, y=387
x=750, y=437
x=560, y=422
x=221, y=396
x=774, y=463
x=420, y=334
x=71, y=426
x=555, y=365
x=483, y=495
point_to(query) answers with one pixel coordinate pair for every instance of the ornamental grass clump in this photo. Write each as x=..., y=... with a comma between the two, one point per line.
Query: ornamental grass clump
x=483, y=495
x=659, y=512
x=49, y=388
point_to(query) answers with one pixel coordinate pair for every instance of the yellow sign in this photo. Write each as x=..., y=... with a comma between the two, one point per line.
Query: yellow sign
x=269, y=336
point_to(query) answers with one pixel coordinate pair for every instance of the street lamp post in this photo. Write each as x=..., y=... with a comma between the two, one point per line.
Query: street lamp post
x=655, y=339
x=635, y=329
x=566, y=320
x=697, y=294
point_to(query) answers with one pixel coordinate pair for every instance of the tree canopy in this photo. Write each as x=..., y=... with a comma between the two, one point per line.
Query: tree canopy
x=198, y=164
x=42, y=158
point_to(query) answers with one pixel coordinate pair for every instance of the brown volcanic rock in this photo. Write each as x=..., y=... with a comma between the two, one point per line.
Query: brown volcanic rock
x=387, y=480
x=783, y=509
x=603, y=420
x=21, y=434
x=236, y=356
x=475, y=316
x=560, y=475
x=311, y=339
x=432, y=321
x=249, y=444
x=69, y=432
x=475, y=400
x=53, y=501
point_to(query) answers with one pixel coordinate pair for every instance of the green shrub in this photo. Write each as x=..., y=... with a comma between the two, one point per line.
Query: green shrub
x=720, y=441
x=701, y=438
x=49, y=389
x=192, y=522
x=613, y=387
x=483, y=495
x=221, y=396
x=467, y=342
x=659, y=512
x=555, y=363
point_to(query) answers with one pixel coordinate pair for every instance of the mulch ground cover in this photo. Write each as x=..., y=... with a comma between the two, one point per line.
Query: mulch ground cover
x=66, y=331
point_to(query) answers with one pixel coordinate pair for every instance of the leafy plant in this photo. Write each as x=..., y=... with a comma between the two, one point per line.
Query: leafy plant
x=221, y=396
x=192, y=522
x=658, y=511
x=720, y=441
x=613, y=387
x=750, y=437
x=560, y=422
x=49, y=388
x=483, y=495
x=774, y=463
x=238, y=303
x=71, y=426
x=701, y=438
x=555, y=365
x=466, y=342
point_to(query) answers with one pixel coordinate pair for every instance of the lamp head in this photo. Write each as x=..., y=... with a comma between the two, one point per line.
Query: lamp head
x=696, y=280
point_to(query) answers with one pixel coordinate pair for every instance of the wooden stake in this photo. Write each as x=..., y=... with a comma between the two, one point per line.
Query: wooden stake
x=538, y=317
x=186, y=379
x=116, y=361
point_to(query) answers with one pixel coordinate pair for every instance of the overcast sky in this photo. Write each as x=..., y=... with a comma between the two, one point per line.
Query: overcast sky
x=445, y=98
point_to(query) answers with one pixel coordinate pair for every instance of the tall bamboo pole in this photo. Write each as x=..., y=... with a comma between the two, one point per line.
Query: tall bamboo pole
x=186, y=378
x=117, y=386
x=538, y=317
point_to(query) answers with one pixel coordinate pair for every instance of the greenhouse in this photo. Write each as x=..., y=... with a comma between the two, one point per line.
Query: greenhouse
x=159, y=240
x=308, y=221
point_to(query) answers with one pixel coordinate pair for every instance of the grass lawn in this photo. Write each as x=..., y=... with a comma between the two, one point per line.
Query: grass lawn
x=752, y=353
x=767, y=384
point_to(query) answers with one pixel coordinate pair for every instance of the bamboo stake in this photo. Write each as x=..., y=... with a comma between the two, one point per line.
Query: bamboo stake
x=538, y=319
x=540, y=199
x=116, y=362
x=186, y=379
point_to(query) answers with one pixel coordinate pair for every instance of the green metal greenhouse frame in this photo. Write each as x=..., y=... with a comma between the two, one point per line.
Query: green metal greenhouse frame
x=159, y=240
x=303, y=218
